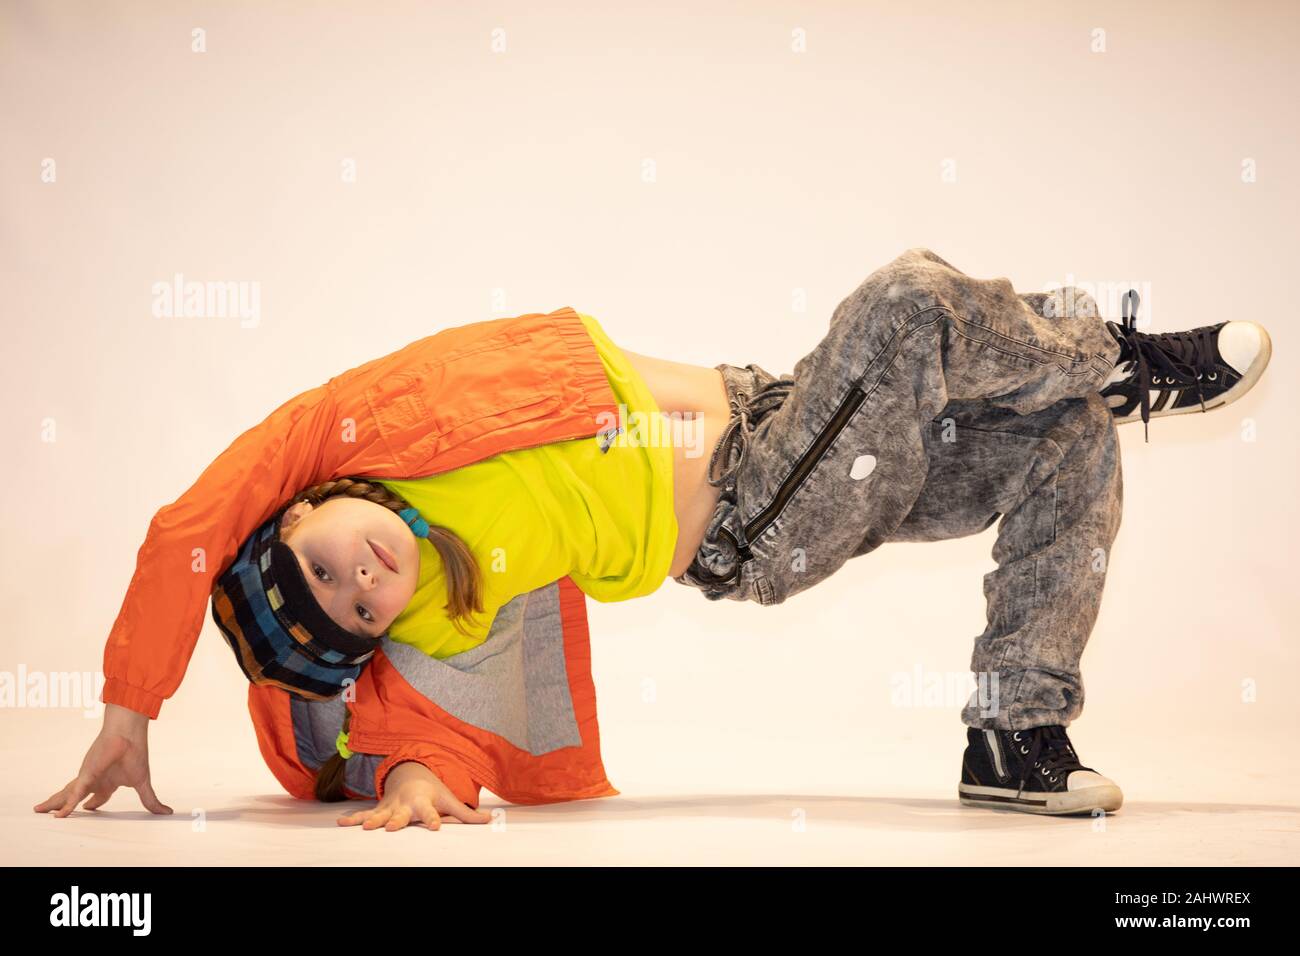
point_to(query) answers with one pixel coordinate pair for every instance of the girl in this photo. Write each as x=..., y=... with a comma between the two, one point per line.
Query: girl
x=935, y=404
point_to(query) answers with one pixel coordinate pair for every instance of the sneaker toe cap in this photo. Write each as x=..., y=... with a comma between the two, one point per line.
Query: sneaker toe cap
x=1240, y=343
x=1087, y=779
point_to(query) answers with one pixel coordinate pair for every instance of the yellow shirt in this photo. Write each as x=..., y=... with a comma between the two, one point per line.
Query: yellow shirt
x=564, y=509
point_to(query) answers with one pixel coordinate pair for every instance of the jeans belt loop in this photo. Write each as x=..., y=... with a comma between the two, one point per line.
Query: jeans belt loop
x=736, y=436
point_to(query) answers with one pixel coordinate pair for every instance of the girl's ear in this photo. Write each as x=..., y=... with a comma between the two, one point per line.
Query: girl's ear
x=293, y=514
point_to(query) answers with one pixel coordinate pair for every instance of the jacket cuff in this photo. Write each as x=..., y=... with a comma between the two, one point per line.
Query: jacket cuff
x=446, y=768
x=132, y=698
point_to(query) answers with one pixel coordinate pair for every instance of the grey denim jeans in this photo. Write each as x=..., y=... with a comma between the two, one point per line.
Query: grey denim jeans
x=936, y=403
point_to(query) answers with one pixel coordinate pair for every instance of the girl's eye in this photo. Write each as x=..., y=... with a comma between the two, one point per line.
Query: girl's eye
x=317, y=570
x=365, y=615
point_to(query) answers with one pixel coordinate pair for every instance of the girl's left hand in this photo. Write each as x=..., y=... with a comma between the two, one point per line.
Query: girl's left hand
x=413, y=794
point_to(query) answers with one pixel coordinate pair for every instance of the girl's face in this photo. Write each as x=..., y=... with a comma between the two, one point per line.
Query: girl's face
x=345, y=547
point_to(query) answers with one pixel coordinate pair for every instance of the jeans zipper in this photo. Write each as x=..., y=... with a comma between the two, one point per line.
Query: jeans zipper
x=806, y=463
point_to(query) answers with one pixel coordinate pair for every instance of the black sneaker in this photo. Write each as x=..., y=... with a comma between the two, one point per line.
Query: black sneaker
x=1171, y=373
x=1035, y=771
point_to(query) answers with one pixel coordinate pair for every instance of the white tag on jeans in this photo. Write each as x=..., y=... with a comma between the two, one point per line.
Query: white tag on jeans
x=863, y=465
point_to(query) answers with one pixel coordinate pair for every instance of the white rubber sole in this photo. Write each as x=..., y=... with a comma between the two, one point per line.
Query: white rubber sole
x=1246, y=383
x=1087, y=800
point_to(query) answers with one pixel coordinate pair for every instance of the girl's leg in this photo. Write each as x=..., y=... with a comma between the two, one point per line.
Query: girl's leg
x=1054, y=476
x=828, y=462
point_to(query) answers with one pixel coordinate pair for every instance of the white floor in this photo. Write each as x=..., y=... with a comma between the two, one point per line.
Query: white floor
x=1234, y=816
x=644, y=828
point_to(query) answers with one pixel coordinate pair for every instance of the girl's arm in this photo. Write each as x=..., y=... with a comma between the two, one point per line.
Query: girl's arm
x=190, y=541
x=450, y=771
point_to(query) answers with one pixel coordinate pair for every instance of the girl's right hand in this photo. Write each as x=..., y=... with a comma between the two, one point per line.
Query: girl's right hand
x=119, y=757
x=413, y=794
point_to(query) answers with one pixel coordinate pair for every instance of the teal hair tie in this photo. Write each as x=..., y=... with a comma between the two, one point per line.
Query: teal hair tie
x=419, y=527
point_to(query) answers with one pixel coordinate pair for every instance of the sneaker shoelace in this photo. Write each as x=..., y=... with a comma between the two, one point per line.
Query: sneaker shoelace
x=1049, y=752
x=1182, y=359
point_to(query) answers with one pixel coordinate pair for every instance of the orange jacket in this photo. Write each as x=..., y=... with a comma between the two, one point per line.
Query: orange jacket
x=517, y=714
x=447, y=400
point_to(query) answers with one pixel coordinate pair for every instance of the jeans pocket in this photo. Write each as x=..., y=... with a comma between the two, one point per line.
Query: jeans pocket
x=797, y=473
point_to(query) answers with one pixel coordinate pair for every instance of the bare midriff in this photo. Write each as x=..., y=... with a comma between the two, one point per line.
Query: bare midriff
x=697, y=394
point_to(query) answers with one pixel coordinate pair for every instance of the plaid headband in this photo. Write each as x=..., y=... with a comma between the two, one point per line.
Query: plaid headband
x=279, y=632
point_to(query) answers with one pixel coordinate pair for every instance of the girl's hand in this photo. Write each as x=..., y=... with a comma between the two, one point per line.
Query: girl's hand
x=413, y=793
x=119, y=757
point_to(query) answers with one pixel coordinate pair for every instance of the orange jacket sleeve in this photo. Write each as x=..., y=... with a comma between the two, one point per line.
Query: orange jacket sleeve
x=191, y=540
x=452, y=772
